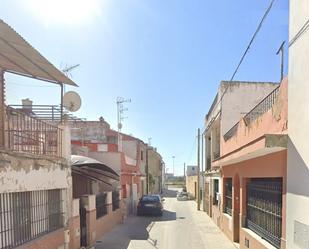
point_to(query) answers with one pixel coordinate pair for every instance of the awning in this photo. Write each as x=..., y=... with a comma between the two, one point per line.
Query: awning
x=19, y=57
x=93, y=168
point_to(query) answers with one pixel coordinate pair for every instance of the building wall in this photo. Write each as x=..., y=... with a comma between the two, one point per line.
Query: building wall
x=19, y=170
x=53, y=240
x=272, y=165
x=191, y=185
x=274, y=121
x=243, y=96
x=298, y=146
x=155, y=169
x=110, y=159
x=191, y=170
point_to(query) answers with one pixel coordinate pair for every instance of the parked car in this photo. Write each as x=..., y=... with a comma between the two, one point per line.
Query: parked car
x=150, y=205
x=182, y=196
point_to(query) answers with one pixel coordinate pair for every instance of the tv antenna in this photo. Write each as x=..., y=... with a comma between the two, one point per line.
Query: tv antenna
x=120, y=115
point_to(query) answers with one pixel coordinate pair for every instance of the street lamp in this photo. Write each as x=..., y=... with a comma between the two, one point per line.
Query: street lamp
x=173, y=165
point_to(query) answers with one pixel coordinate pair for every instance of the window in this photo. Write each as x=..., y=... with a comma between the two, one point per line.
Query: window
x=216, y=192
x=151, y=198
x=142, y=155
x=264, y=208
x=228, y=196
x=116, y=200
x=100, y=203
x=25, y=216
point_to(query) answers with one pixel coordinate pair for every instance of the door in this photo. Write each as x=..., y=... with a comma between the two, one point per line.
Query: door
x=83, y=225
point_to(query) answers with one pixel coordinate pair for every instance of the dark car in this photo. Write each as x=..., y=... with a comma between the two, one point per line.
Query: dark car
x=150, y=205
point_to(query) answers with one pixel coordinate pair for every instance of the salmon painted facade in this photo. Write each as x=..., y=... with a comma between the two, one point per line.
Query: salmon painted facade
x=250, y=189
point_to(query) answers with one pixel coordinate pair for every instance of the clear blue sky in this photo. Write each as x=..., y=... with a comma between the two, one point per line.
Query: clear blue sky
x=168, y=56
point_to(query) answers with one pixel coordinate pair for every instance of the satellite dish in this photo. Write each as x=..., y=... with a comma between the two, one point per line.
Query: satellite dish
x=72, y=101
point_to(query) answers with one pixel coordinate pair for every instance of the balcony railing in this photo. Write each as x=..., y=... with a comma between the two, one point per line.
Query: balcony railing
x=48, y=113
x=231, y=132
x=24, y=133
x=261, y=108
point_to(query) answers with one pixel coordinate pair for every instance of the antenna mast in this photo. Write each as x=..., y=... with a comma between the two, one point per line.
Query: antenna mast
x=120, y=111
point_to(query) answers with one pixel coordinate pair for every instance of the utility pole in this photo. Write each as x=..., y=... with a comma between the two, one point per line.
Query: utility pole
x=120, y=110
x=173, y=165
x=281, y=51
x=184, y=173
x=202, y=163
x=198, y=170
x=147, y=172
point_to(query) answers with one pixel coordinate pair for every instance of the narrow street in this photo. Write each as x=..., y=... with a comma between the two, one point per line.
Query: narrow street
x=180, y=227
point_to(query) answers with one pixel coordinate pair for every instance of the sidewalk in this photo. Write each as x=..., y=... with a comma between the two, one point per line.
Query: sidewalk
x=213, y=237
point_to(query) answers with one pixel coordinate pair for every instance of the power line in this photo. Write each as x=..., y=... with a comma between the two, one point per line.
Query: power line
x=303, y=29
x=246, y=51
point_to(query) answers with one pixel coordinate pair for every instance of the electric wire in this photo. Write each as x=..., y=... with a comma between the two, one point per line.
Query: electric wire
x=246, y=51
x=302, y=30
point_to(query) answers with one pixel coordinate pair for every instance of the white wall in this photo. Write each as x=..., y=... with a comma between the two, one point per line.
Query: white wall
x=243, y=96
x=298, y=146
x=110, y=159
x=130, y=148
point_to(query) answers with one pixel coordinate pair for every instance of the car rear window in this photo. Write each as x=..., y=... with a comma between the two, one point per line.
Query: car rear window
x=150, y=198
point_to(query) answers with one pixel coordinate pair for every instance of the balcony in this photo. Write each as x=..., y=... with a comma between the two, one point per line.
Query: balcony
x=24, y=133
x=264, y=106
x=262, y=129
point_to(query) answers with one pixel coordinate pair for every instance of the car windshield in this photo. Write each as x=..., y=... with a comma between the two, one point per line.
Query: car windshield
x=150, y=198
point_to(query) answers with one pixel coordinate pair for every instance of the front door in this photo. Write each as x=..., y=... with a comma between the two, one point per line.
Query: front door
x=83, y=225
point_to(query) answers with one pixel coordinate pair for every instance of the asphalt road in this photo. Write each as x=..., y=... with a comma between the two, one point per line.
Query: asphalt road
x=180, y=227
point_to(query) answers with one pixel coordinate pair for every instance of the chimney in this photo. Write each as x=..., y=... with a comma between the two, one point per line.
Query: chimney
x=27, y=104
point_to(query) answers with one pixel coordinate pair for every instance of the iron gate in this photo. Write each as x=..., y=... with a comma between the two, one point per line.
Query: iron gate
x=264, y=208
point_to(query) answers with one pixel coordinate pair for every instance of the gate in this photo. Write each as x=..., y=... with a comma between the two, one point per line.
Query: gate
x=83, y=225
x=264, y=208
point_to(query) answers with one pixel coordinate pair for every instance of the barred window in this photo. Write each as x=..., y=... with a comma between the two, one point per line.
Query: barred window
x=115, y=199
x=25, y=216
x=228, y=196
x=215, y=192
x=101, y=205
x=264, y=208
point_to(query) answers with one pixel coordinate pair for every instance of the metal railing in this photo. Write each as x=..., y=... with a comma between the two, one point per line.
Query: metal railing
x=231, y=132
x=264, y=208
x=25, y=216
x=48, y=113
x=216, y=155
x=28, y=134
x=261, y=108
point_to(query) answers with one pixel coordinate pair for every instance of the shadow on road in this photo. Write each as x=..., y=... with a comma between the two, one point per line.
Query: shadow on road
x=134, y=228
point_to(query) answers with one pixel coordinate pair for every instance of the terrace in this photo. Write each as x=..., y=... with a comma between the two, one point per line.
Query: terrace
x=260, y=131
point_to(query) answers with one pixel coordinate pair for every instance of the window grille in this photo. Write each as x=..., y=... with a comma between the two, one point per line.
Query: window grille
x=216, y=192
x=101, y=205
x=228, y=196
x=264, y=208
x=116, y=200
x=25, y=216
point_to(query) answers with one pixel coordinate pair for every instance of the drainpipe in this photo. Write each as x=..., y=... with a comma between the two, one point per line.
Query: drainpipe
x=2, y=109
